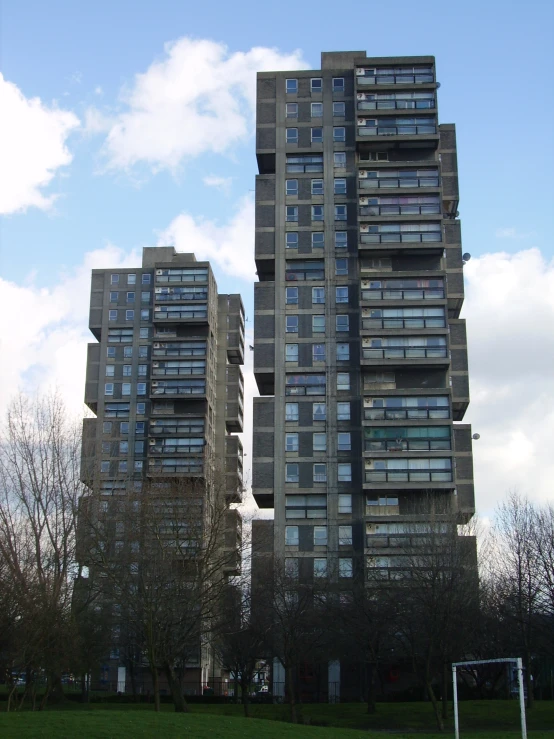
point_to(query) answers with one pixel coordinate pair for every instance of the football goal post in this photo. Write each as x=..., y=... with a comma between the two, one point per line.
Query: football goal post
x=519, y=667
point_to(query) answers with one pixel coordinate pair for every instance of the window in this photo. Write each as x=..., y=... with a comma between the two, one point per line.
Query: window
x=317, y=135
x=345, y=567
x=343, y=352
x=146, y=279
x=127, y=370
x=130, y=297
x=340, y=186
x=345, y=503
x=122, y=465
x=344, y=472
x=108, y=388
x=123, y=447
x=320, y=567
x=129, y=315
x=339, y=110
x=319, y=411
x=126, y=388
x=305, y=506
x=317, y=110
x=145, y=315
x=139, y=427
x=291, y=442
x=340, y=213
x=291, y=239
x=343, y=411
x=318, y=295
x=317, y=187
x=291, y=472
x=291, y=86
x=338, y=84
x=124, y=427
x=104, y=466
x=142, y=370
x=343, y=323
x=339, y=134
x=112, y=315
x=320, y=536
x=291, y=324
x=292, y=213
x=344, y=442
x=143, y=352
x=292, y=187
x=341, y=295
x=341, y=240
x=106, y=447
x=291, y=567
x=141, y=388
x=138, y=465
x=114, y=279
x=291, y=536
x=110, y=352
x=144, y=333
x=141, y=409
x=107, y=427
x=291, y=295
x=318, y=324
x=316, y=84
x=131, y=279
x=343, y=381
x=341, y=267
x=128, y=352
x=291, y=412
x=139, y=447
x=145, y=297
x=114, y=297
x=292, y=135
x=319, y=442
x=110, y=370
x=320, y=472
x=318, y=240
x=291, y=352
x=318, y=352
x=345, y=536
x=292, y=110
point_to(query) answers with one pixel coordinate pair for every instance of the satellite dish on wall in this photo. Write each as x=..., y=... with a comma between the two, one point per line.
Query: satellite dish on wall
x=476, y=436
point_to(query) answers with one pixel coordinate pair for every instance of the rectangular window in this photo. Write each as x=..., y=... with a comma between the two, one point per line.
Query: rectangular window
x=110, y=370
x=291, y=295
x=320, y=472
x=139, y=427
x=292, y=472
x=104, y=466
x=318, y=352
x=291, y=352
x=143, y=370
x=320, y=536
x=291, y=412
x=143, y=352
x=139, y=447
x=343, y=323
x=345, y=536
x=144, y=333
x=341, y=295
x=145, y=316
x=343, y=411
x=344, y=443
x=126, y=388
x=343, y=381
x=114, y=279
x=138, y=465
x=292, y=213
x=131, y=279
x=339, y=159
x=291, y=568
x=108, y=388
x=320, y=567
x=128, y=352
x=292, y=135
x=127, y=370
x=114, y=297
x=317, y=135
x=141, y=388
x=145, y=297
x=291, y=324
x=340, y=186
x=129, y=315
x=112, y=315
x=124, y=427
x=123, y=447
x=292, y=110
x=319, y=442
x=318, y=324
x=291, y=442
x=130, y=297
x=341, y=267
x=318, y=240
x=317, y=187
x=122, y=465
x=345, y=503
x=319, y=411
x=316, y=84
x=146, y=279
x=338, y=84
x=339, y=110
x=343, y=352
x=110, y=352
x=339, y=134
x=291, y=86
x=317, y=212
x=318, y=295
x=341, y=240
x=141, y=409
x=292, y=187
x=291, y=240
x=345, y=567
x=291, y=536
x=340, y=213
x=107, y=427
x=317, y=110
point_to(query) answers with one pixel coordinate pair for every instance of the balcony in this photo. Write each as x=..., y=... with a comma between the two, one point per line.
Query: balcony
x=179, y=349
x=305, y=271
x=170, y=466
x=180, y=445
x=417, y=126
x=177, y=426
x=304, y=163
x=396, y=101
x=393, y=178
x=408, y=471
x=400, y=233
x=186, y=274
x=197, y=368
x=407, y=408
x=169, y=294
x=178, y=387
x=405, y=352
x=398, y=318
x=400, y=206
x=366, y=76
x=407, y=289
x=194, y=313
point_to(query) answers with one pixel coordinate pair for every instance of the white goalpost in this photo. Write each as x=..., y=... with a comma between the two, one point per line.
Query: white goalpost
x=519, y=666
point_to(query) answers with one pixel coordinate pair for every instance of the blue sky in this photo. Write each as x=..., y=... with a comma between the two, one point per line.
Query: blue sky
x=117, y=192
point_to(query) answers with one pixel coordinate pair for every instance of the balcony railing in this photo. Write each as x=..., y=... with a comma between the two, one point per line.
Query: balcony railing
x=370, y=183
x=190, y=469
x=419, y=294
x=167, y=297
x=396, y=104
x=408, y=476
x=406, y=352
x=401, y=237
x=405, y=414
x=408, y=445
x=160, y=314
x=374, y=323
x=407, y=130
x=176, y=390
x=400, y=210
x=157, y=372
x=175, y=449
x=175, y=429
x=394, y=79
x=178, y=352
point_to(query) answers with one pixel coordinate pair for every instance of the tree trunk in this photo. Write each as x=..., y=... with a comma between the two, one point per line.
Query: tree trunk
x=176, y=690
x=529, y=683
x=371, y=669
x=292, y=697
x=245, y=698
x=236, y=688
x=85, y=698
x=44, y=700
x=444, y=696
x=434, y=702
x=10, y=695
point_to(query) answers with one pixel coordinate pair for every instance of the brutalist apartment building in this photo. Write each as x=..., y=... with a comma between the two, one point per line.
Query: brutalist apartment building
x=359, y=353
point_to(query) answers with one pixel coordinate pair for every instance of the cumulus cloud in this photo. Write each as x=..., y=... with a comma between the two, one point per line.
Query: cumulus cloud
x=199, y=97
x=509, y=309
x=511, y=233
x=220, y=183
x=33, y=147
x=230, y=246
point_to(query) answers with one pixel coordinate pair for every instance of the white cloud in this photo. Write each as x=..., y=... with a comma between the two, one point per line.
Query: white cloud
x=220, y=183
x=98, y=90
x=230, y=246
x=33, y=147
x=511, y=233
x=510, y=313
x=199, y=97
